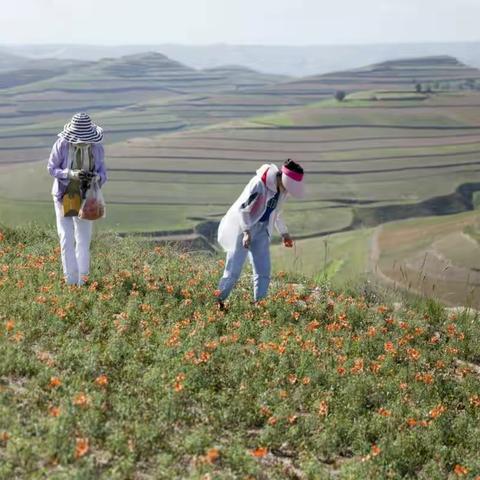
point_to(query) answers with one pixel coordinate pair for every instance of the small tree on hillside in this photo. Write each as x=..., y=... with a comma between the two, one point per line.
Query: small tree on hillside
x=340, y=95
x=418, y=88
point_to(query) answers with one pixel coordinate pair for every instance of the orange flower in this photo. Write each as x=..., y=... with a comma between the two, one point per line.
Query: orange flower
x=437, y=411
x=178, y=387
x=4, y=437
x=212, y=455
x=265, y=411
x=375, y=367
x=178, y=384
x=372, y=331
x=272, y=421
x=292, y=378
x=357, y=366
x=292, y=419
x=382, y=309
x=81, y=447
x=217, y=293
x=102, y=380
x=54, y=411
x=313, y=325
x=323, y=408
x=341, y=371
x=475, y=401
x=81, y=400
x=389, y=347
x=259, y=452
x=306, y=380
x=54, y=382
x=384, y=412
x=2, y=237
x=375, y=450
x=61, y=313
x=424, y=377
x=10, y=325
x=460, y=470
x=145, y=307
x=411, y=422
x=413, y=354
x=169, y=289
x=18, y=337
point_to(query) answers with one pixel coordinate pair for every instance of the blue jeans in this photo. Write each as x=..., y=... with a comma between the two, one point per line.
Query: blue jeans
x=259, y=255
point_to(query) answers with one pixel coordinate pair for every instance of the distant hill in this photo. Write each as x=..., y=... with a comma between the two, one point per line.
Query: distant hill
x=11, y=62
x=148, y=94
x=24, y=71
x=296, y=61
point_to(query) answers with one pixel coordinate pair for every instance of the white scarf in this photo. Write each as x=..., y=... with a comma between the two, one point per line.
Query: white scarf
x=81, y=156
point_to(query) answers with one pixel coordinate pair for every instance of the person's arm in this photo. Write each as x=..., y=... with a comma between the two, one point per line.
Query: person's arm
x=280, y=224
x=100, y=168
x=282, y=229
x=254, y=189
x=55, y=161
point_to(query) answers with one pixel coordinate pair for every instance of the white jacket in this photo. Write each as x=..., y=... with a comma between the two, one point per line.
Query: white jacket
x=250, y=206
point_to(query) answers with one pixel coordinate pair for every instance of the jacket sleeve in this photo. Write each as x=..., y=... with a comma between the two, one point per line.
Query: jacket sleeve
x=252, y=194
x=279, y=223
x=55, y=161
x=100, y=168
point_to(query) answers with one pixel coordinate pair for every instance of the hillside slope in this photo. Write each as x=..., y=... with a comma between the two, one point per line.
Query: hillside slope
x=138, y=375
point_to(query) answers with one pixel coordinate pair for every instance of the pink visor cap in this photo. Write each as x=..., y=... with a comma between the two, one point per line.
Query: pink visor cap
x=293, y=182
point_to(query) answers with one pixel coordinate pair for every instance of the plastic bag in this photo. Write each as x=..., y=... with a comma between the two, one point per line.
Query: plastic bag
x=93, y=207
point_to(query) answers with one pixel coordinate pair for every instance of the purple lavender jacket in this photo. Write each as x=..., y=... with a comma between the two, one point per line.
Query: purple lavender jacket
x=58, y=166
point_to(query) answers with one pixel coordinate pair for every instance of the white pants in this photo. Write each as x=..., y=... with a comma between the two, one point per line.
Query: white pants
x=75, y=235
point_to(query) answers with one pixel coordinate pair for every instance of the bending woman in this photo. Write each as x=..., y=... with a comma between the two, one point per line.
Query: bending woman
x=247, y=226
x=77, y=158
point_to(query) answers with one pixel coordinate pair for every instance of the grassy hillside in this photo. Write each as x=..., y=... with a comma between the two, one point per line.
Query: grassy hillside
x=138, y=375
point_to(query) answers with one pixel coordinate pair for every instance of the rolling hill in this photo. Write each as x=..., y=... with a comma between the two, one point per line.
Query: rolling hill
x=295, y=61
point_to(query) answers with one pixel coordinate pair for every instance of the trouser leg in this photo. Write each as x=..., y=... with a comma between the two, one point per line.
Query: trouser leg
x=260, y=260
x=233, y=269
x=83, y=236
x=66, y=235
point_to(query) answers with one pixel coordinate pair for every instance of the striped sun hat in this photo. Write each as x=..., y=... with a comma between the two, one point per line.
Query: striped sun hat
x=81, y=129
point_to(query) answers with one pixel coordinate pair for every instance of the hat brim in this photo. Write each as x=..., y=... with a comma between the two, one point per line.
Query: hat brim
x=293, y=187
x=93, y=135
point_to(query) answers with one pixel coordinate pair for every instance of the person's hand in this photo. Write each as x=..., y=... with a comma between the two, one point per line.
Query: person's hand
x=287, y=240
x=247, y=239
x=75, y=174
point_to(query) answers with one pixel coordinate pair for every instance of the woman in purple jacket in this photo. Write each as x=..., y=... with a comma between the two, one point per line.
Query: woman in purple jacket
x=77, y=159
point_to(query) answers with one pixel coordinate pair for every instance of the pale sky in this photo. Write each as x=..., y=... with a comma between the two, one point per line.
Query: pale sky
x=268, y=22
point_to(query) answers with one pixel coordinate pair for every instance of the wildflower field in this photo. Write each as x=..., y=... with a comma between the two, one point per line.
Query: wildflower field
x=139, y=376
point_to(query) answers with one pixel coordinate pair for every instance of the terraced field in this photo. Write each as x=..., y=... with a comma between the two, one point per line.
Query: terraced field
x=149, y=94
x=178, y=159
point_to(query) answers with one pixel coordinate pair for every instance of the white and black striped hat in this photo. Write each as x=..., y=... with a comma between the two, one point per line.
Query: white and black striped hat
x=81, y=129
